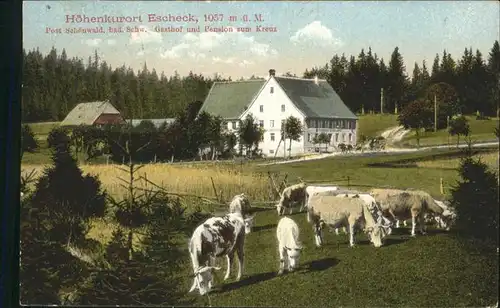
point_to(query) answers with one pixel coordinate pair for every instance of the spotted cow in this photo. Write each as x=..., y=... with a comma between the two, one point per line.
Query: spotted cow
x=216, y=237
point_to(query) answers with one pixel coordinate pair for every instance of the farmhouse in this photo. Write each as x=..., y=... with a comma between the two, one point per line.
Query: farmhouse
x=271, y=101
x=94, y=113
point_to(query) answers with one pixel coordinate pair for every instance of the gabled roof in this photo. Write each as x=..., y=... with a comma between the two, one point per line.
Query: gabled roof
x=230, y=99
x=87, y=113
x=315, y=100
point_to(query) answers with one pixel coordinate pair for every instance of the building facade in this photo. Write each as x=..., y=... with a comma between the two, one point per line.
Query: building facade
x=271, y=101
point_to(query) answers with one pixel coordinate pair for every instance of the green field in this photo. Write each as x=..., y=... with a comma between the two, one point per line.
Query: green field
x=427, y=271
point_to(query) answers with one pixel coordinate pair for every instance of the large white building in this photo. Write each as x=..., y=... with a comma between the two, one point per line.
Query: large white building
x=271, y=101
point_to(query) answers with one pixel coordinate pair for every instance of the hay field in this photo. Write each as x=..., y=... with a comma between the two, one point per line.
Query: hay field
x=490, y=159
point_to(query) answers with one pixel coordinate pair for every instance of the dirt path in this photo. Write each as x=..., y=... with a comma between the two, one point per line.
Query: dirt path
x=392, y=135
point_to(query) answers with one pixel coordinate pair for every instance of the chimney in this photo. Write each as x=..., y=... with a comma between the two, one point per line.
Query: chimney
x=272, y=72
x=316, y=79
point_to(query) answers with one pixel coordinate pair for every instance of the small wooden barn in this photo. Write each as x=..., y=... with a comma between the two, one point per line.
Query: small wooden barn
x=93, y=113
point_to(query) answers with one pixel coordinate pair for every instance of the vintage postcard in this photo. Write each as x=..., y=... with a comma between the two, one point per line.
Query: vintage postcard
x=260, y=153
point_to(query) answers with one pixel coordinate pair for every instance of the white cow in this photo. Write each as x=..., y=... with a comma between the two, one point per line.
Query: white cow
x=311, y=190
x=350, y=212
x=289, y=246
x=216, y=237
x=241, y=204
x=373, y=207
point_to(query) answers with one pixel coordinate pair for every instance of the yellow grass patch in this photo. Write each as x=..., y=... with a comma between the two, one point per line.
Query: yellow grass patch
x=490, y=159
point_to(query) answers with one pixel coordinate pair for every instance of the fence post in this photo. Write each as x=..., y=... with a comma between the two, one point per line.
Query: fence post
x=441, y=187
x=348, y=182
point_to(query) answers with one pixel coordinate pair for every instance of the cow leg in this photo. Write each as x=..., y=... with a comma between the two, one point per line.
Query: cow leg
x=351, y=235
x=291, y=208
x=413, y=224
x=229, y=258
x=397, y=223
x=241, y=259
x=421, y=224
x=281, y=251
x=317, y=234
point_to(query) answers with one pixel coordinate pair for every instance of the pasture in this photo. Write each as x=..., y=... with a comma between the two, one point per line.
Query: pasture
x=432, y=270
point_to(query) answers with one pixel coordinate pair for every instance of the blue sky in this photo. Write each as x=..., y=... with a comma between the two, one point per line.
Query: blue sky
x=308, y=33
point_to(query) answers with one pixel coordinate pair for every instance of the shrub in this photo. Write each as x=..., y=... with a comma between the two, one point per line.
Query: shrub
x=475, y=198
x=28, y=140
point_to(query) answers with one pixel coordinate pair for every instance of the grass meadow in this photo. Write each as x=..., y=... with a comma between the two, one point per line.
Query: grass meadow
x=426, y=271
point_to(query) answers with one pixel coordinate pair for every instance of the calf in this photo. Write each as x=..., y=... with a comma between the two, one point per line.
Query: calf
x=290, y=195
x=289, y=246
x=216, y=237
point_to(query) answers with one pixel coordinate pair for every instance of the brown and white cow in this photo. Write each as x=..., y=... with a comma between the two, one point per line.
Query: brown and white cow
x=216, y=237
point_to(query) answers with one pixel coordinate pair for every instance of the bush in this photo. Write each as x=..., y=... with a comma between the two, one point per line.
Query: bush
x=475, y=198
x=28, y=140
x=58, y=137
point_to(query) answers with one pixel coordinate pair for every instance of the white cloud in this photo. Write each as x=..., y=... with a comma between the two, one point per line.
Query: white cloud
x=111, y=42
x=226, y=61
x=93, y=42
x=245, y=63
x=140, y=53
x=217, y=43
x=316, y=33
x=145, y=36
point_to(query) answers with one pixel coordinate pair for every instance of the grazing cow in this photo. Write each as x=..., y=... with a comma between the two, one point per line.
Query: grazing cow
x=443, y=221
x=350, y=212
x=289, y=246
x=290, y=195
x=404, y=204
x=241, y=204
x=373, y=207
x=216, y=237
x=311, y=190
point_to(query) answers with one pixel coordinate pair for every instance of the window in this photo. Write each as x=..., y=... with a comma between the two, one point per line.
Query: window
x=337, y=137
x=343, y=123
x=353, y=126
x=261, y=123
x=271, y=90
x=350, y=138
x=282, y=108
x=343, y=137
x=321, y=124
x=272, y=137
x=348, y=124
x=271, y=123
x=233, y=124
x=261, y=108
x=271, y=151
x=330, y=123
x=309, y=137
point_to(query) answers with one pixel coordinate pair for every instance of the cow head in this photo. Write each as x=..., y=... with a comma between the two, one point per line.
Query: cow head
x=293, y=254
x=446, y=220
x=249, y=220
x=203, y=278
x=376, y=234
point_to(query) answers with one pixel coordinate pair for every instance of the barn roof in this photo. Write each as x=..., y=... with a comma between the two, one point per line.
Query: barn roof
x=230, y=99
x=315, y=100
x=87, y=113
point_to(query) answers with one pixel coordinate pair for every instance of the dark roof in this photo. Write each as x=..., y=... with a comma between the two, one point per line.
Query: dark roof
x=315, y=100
x=230, y=99
x=87, y=113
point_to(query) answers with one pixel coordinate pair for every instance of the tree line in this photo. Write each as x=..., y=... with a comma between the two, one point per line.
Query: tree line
x=54, y=83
